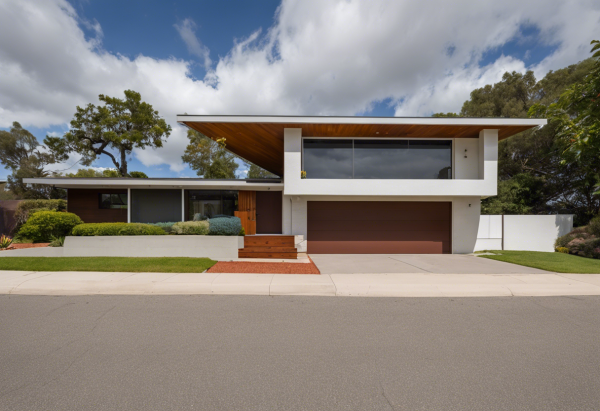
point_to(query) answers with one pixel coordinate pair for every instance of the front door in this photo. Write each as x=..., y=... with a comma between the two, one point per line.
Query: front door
x=268, y=212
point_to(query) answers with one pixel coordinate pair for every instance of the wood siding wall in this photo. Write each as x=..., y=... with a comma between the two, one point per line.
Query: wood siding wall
x=86, y=204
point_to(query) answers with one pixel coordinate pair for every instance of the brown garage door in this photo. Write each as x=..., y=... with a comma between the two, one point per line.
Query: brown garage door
x=382, y=227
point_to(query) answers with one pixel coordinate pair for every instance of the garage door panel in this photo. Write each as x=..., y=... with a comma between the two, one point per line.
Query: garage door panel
x=379, y=247
x=376, y=213
x=374, y=225
x=386, y=227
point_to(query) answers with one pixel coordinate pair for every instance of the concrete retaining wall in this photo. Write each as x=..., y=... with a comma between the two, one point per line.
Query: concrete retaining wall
x=215, y=247
x=522, y=232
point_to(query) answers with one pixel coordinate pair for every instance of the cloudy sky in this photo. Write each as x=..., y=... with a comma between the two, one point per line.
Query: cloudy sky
x=300, y=57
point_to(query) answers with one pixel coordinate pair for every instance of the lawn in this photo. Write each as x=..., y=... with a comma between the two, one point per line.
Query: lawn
x=112, y=264
x=557, y=262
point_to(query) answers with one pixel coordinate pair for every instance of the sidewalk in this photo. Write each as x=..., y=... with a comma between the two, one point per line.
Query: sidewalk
x=366, y=285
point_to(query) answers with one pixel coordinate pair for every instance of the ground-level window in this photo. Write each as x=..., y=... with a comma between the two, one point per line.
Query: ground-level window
x=108, y=201
x=204, y=204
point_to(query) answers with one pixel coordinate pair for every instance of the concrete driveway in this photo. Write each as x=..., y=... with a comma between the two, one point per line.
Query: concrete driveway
x=415, y=263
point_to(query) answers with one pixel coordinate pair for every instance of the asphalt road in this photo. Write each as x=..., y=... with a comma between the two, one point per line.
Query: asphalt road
x=299, y=353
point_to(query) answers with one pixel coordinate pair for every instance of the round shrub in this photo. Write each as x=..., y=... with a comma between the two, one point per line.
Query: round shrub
x=563, y=250
x=191, y=228
x=168, y=227
x=224, y=226
x=44, y=226
x=27, y=207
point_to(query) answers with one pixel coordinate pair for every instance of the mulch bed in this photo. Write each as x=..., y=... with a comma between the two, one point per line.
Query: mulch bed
x=264, y=268
x=27, y=245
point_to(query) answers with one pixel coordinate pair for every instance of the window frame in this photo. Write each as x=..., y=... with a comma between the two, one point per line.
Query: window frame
x=123, y=205
x=452, y=139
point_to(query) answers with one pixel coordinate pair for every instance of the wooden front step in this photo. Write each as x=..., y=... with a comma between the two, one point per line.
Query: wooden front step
x=268, y=246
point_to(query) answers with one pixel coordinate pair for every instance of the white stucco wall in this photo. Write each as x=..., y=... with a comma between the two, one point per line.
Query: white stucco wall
x=522, y=232
x=477, y=175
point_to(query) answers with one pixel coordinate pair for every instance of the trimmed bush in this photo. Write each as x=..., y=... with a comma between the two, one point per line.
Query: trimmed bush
x=224, y=226
x=191, y=228
x=168, y=227
x=116, y=229
x=27, y=207
x=43, y=226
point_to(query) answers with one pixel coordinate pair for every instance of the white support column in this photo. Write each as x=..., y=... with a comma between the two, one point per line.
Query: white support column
x=129, y=205
x=182, y=204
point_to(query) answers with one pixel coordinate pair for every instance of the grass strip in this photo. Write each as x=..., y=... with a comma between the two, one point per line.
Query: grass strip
x=108, y=264
x=556, y=262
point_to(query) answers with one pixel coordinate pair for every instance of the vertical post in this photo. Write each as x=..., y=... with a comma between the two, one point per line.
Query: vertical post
x=129, y=205
x=182, y=204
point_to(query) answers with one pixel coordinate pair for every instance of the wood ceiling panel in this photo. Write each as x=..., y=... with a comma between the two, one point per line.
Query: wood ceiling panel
x=262, y=143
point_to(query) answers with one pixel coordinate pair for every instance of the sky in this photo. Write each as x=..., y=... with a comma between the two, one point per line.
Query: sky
x=290, y=57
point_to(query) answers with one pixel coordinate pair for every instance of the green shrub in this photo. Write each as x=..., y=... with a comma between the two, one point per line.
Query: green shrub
x=242, y=232
x=561, y=242
x=26, y=208
x=563, y=250
x=168, y=227
x=224, y=226
x=5, y=242
x=57, y=242
x=43, y=226
x=593, y=227
x=191, y=228
x=116, y=229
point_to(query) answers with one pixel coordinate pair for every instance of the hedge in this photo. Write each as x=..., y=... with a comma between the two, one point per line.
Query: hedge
x=191, y=228
x=116, y=229
x=44, y=226
x=224, y=226
x=27, y=207
x=167, y=226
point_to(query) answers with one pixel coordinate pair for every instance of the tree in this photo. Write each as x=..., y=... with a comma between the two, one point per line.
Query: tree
x=255, y=171
x=576, y=114
x=21, y=153
x=117, y=126
x=109, y=172
x=209, y=158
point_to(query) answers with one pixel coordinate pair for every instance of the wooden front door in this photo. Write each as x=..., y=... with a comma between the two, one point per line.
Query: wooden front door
x=247, y=211
x=268, y=212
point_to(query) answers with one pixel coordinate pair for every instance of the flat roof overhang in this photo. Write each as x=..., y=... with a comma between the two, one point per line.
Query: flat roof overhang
x=259, y=139
x=177, y=183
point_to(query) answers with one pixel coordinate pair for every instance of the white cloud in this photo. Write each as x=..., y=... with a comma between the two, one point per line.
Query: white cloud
x=320, y=57
x=187, y=31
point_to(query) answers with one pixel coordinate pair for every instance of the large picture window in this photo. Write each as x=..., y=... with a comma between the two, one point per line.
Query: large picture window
x=204, y=204
x=377, y=159
x=108, y=201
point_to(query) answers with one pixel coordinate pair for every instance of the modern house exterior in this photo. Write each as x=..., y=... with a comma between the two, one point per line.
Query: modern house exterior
x=347, y=184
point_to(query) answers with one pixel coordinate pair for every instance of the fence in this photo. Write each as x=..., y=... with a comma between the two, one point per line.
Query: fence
x=521, y=232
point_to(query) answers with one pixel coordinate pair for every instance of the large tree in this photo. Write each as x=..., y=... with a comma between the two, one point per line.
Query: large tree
x=109, y=172
x=255, y=171
x=209, y=158
x=533, y=175
x=113, y=129
x=21, y=153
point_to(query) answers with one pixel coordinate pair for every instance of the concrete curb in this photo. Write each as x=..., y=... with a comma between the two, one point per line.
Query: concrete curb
x=360, y=285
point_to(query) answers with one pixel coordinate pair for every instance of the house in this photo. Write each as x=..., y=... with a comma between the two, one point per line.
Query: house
x=348, y=184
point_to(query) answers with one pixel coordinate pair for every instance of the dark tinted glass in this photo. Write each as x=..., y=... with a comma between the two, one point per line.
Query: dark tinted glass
x=430, y=159
x=113, y=200
x=382, y=159
x=328, y=158
x=204, y=204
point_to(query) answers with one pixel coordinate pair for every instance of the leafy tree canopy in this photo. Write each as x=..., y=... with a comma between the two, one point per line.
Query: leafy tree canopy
x=210, y=159
x=110, y=172
x=21, y=153
x=114, y=130
x=255, y=171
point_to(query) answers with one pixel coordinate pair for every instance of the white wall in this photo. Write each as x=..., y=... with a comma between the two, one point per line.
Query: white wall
x=477, y=175
x=522, y=232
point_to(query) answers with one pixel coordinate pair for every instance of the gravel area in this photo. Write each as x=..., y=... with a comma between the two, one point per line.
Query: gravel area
x=27, y=245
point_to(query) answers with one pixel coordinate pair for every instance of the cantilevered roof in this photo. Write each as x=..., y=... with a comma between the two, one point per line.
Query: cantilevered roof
x=185, y=183
x=259, y=139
